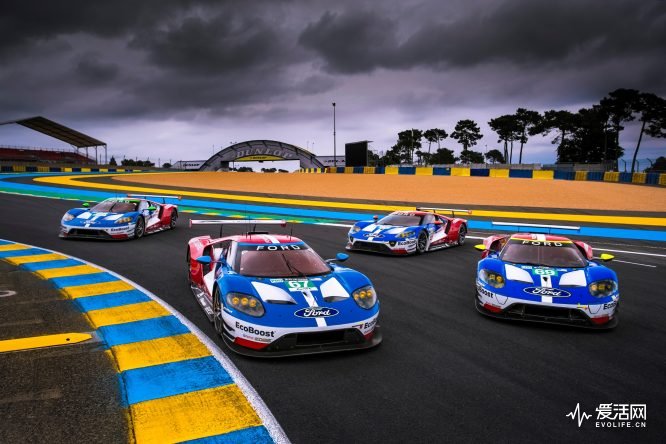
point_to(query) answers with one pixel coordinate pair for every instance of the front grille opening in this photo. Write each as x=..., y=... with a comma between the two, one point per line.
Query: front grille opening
x=544, y=312
x=320, y=338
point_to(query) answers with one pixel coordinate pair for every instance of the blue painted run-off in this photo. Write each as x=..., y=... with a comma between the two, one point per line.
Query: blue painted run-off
x=345, y=216
x=160, y=381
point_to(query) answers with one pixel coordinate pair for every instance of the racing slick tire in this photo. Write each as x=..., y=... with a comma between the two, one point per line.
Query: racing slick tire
x=173, y=219
x=422, y=243
x=187, y=261
x=139, y=228
x=462, y=233
x=217, y=312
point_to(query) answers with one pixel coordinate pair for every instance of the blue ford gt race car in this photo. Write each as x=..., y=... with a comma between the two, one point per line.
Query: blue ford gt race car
x=119, y=218
x=409, y=232
x=271, y=295
x=546, y=278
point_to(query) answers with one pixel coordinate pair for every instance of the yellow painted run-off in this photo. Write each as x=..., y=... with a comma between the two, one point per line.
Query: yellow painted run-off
x=43, y=341
x=208, y=412
x=569, y=217
x=126, y=313
x=159, y=351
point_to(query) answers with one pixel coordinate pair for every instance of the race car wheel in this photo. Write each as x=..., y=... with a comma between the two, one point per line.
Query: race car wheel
x=174, y=218
x=189, y=271
x=217, y=311
x=139, y=228
x=462, y=233
x=422, y=243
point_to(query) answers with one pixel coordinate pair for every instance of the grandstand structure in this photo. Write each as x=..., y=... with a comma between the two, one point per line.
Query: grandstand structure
x=78, y=141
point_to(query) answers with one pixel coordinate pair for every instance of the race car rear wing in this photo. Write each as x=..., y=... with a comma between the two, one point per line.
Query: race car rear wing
x=248, y=222
x=281, y=222
x=453, y=211
x=547, y=227
x=164, y=198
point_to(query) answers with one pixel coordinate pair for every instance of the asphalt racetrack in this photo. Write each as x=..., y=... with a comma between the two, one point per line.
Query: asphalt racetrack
x=443, y=373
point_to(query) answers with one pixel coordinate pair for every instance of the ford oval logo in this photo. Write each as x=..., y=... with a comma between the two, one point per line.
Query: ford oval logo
x=316, y=312
x=548, y=292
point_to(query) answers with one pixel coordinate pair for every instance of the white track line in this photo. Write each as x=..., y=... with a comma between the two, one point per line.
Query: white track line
x=267, y=418
x=484, y=237
x=635, y=263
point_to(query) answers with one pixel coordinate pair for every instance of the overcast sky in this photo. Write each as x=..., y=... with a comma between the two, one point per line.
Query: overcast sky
x=180, y=79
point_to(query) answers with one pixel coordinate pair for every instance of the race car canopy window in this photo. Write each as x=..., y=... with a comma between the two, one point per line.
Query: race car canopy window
x=402, y=220
x=278, y=260
x=115, y=206
x=548, y=253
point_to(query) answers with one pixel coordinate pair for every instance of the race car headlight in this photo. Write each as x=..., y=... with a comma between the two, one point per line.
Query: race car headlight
x=67, y=217
x=355, y=229
x=491, y=278
x=365, y=297
x=246, y=304
x=406, y=234
x=600, y=289
x=124, y=220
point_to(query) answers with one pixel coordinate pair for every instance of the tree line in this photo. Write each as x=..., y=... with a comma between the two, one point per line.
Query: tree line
x=591, y=135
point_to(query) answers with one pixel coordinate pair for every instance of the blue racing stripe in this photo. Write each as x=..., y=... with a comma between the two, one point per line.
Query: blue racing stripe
x=111, y=300
x=83, y=279
x=26, y=252
x=60, y=263
x=160, y=381
x=143, y=330
x=252, y=434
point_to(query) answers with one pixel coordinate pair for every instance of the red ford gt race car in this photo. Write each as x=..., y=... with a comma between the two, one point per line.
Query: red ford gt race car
x=271, y=295
x=407, y=232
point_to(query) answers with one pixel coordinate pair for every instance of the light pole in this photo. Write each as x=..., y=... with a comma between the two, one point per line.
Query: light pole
x=335, y=157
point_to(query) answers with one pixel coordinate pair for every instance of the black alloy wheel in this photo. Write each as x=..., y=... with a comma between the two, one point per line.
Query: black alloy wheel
x=422, y=243
x=139, y=228
x=217, y=311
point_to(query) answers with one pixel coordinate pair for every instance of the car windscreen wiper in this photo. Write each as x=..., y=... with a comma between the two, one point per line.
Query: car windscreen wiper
x=291, y=267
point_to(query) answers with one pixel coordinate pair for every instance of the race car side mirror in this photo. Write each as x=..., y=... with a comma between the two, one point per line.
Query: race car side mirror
x=375, y=218
x=85, y=205
x=606, y=257
x=480, y=247
x=340, y=257
x=151, y=208
x=204, y=259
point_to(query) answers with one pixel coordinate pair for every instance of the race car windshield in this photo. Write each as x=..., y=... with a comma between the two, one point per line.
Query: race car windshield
x=549, y=254
x=401, y=220
x=278, y=261
x=115, y=206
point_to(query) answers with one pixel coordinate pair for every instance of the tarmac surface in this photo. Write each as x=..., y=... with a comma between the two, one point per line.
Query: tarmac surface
x=67, y=393
x=443, y=372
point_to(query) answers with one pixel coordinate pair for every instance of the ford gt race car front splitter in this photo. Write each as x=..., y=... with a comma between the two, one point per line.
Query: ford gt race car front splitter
x=402, y=247
x=596, y=316
x=263, y=341
x=99, y=232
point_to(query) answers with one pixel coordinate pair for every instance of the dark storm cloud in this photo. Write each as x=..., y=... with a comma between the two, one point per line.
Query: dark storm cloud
x=24, y=23
x=209, y=46
x=519, y=32
x=158, y=59
x=91, y=70
x=353, y=41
